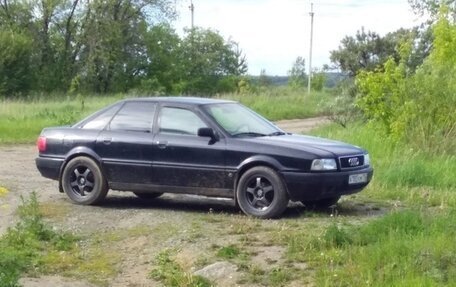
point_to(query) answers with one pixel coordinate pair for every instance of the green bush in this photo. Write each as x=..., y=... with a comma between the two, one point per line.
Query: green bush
x=416, y=106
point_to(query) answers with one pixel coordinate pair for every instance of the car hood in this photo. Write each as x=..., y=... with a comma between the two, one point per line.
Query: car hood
x=316, y=145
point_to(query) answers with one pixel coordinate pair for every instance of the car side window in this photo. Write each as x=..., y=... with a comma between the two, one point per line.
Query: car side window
x=179, y=121
x=100, y=121
x=134, y=117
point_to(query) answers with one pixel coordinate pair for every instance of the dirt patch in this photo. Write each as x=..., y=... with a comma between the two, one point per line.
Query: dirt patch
x=302, y=126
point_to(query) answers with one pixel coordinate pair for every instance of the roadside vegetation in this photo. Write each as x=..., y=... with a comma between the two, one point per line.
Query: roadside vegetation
x=22, y=120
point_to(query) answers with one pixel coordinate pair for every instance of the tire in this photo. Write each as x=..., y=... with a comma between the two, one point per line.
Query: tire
x=148, y=195
x=321, y=203
x=83, y=181
x=262, y=193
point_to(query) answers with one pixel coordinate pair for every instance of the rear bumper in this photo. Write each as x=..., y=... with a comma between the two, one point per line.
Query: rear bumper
x=49, y=167
x=315, y=186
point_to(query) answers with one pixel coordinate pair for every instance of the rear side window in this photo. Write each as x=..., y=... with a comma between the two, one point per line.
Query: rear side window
x=134, y=117
x=100, y=121
x=179, y=121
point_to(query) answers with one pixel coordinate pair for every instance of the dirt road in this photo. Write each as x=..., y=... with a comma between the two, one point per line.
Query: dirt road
x=170, y=214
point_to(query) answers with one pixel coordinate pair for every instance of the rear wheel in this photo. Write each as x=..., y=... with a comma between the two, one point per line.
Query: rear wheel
x=83, y=181
x=321, y=203
x=148, y=195
x=262, y=193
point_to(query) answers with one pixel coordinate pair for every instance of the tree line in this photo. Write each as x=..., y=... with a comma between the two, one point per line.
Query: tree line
x=109, y=46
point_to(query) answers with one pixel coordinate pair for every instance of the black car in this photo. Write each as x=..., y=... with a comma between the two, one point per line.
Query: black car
x=198, y=146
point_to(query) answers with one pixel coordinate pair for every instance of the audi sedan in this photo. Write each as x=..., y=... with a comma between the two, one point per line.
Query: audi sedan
x=209, y=147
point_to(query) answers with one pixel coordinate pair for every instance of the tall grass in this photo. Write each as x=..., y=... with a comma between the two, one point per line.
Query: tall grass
x=406, y=248
x=401, y=172
x=22, y=120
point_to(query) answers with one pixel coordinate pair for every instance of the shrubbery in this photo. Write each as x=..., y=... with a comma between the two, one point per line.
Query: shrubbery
x=418, y=107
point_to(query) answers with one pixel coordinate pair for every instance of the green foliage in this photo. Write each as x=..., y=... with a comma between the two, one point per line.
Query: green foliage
x=297, y=74
x=318, y=80
x=229, y=252
x=109, y=46
x=15, y=55
x=279, y=277
x=342, y=109
x=431, y=7
x=402, y=173
x=364, y=51
x=417, y=107
x=171, y=274
x=368, y=51
x=401, y=248
x=22, y=247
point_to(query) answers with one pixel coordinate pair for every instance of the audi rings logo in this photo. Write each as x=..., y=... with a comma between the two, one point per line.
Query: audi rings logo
x=354, y=161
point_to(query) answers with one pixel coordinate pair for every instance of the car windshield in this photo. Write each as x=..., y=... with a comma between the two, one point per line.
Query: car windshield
x=240, y=121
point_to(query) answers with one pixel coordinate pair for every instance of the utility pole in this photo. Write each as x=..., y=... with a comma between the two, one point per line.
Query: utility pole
x=310, y=48
x=192, y=10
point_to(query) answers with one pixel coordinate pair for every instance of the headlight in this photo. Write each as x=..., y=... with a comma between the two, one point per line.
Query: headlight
x=324, y=164
x=367, y=160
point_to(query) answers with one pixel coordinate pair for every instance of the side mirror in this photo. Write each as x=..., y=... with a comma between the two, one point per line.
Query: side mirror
x=207, y=132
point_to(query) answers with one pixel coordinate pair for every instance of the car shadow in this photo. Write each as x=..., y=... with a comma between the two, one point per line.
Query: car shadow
x=201, y=204
x=188, y=203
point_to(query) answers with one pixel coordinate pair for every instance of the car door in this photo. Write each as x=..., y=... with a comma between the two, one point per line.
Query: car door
x=126, y=144
x=182, y=158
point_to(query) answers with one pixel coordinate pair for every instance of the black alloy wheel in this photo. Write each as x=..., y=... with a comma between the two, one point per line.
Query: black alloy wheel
x=83, y=181
x=262, y=193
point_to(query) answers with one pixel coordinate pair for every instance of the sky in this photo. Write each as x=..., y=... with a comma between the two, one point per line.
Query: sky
x=274, y=33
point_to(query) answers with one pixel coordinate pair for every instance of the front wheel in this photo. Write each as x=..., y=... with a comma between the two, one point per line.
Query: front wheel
x=262, y=193
x=83, y=181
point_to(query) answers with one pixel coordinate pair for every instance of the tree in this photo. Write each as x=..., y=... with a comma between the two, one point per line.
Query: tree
x=163, y=50
x=369, y=51
x=433, y=6
x=364, y=51
x=207, y=58
x=15, y=54
x=297, y=74
x=108, y=46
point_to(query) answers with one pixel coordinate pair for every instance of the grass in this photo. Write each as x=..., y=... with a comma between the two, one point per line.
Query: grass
x=401, y=173
x=24, y=246
x=171, y=274
x=404, y=248
x=22, y=120
x=33, y=247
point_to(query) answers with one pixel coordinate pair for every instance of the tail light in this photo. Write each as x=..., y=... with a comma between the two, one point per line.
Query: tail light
x=41, y=144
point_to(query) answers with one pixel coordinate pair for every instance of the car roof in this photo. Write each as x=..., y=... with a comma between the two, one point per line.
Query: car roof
x=182, y=100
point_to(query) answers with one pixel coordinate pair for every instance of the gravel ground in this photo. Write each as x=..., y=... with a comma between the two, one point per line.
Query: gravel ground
x=121, y=210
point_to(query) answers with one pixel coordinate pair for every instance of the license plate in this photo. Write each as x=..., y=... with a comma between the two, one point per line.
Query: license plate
x=357, y=178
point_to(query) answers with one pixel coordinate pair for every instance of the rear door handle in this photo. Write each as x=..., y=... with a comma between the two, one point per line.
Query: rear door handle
x=107, y=141
x=161, y=144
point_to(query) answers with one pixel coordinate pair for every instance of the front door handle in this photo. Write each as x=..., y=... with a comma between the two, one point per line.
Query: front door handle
x=107, y=141
x=161, y=144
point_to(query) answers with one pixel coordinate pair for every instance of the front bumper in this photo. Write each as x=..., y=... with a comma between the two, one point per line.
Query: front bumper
x=49, y=167
x=315, y=186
